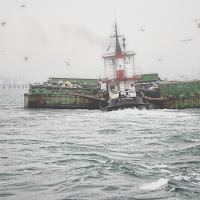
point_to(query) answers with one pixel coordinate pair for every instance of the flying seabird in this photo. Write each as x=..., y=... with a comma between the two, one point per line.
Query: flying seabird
x=198, y=24
x=159, y=59
x=23, y=6
x=67, y=63
x=181, y=76
x=3, y=23
x=196, y=20
x=187, y=40
x=142, y=29
x=26, y=58
x=108, y=47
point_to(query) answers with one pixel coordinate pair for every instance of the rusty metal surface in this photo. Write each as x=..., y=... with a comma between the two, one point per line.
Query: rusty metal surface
x=61, y=101
x=183, y=102
x=83, y=95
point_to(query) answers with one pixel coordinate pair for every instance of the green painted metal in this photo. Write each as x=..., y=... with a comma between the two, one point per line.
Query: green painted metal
x=149, y=78
x=180, y=89
x=59, y=101
x=54, y=96
x=181, y=94
x=182, y=102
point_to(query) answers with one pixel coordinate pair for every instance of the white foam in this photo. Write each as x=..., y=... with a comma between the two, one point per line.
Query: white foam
x=188, y=177
x=195, y=183
x=157, y=166
x=165, y=171
x=180, y=177
x=155, y=185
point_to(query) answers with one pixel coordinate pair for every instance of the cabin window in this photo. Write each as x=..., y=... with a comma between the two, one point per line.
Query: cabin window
x=126, y=60
x=111, y=61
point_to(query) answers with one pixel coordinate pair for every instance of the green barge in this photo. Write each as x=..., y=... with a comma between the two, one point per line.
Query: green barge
x=180, y=95
x=74, y=93
x=69, y=93
x=170, y=94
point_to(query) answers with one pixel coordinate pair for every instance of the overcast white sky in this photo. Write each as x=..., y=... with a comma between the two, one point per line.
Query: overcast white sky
x=51, y=32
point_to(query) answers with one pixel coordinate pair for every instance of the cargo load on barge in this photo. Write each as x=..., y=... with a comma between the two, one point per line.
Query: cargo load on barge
x=68, y=93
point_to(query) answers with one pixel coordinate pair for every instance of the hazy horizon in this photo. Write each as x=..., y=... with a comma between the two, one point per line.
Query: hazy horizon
x=51, y=33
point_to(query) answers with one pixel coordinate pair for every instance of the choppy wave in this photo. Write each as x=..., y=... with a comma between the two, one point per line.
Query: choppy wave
x=82, y=154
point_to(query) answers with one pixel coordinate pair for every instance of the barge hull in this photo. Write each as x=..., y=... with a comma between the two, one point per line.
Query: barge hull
x=60, y=101
x=65, y=93
x=182, y=102
x=171, y=95
x=179, y=95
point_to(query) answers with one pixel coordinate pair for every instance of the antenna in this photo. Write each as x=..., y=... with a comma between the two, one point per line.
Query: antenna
x=115, y=26
x=114, y=16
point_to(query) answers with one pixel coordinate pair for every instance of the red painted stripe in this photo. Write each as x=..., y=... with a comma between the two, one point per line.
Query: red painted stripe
x=120, y=75
x=149, y=98
x=83, y=95
x=118, y=55
x=135, y=79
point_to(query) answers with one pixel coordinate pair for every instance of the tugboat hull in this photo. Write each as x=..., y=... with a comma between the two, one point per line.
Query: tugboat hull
x=135, y=102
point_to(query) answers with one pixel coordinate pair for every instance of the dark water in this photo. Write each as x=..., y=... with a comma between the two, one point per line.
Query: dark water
x=82, y=154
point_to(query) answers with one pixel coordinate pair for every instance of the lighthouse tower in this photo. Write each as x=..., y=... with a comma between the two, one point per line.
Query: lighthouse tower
x=120, y=74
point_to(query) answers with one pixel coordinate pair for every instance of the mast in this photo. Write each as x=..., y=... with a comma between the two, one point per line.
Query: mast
x=119, y=61
x=118, y=51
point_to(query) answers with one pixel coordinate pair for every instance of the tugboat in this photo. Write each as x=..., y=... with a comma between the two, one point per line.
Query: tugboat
x=120, y=75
